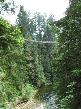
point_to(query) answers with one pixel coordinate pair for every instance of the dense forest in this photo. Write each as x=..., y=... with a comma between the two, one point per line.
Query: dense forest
x=39, y=55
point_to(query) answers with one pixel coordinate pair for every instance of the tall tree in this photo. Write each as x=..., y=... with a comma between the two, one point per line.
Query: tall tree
x=69, y=70
x=40, y=24
x=23, y=21
x=28, y=28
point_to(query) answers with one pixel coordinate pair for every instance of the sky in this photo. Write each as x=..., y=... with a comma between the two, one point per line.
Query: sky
x=55, y=7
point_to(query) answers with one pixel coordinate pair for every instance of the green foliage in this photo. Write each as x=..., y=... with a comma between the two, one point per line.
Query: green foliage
x=28, y=91
x=68, y=60
x=7, y=92
x=23, y=21
x=38, y=28
x=9, y=35
x=25, y=64
x=2, y=106
x=11, y=41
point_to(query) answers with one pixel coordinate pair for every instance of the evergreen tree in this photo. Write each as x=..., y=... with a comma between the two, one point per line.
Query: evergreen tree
x=68, y=69
x=23, y=21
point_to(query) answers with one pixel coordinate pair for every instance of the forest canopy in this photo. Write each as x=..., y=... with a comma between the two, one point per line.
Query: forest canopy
x=27, y=66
